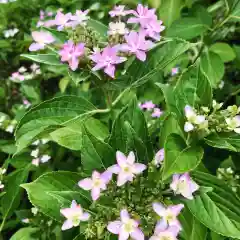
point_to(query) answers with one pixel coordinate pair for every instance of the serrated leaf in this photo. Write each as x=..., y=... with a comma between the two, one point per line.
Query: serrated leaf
x=180, y=158
x=50, y=59
x=41, y=191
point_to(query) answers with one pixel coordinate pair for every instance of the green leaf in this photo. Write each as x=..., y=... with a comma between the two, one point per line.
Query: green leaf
x=60, y=37
x=180, y=158
x=212, y=67
x=100, y=28
x=215, y=236
x=202, y=14
x=186, y=28
x=71, y=135
x=229, y=141
x=96, y=154
x=224, y=50
x=28, y=233
x=51, y=59
x=158, y=59
x=78, y=77
x=60, y=186
x=215, y=216
x=51, y=113
x=11, y=200
x=170, y=10
x=234, y=15
x=63, y=84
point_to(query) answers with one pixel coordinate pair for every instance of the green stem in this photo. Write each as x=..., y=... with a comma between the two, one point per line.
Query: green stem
x=231, y=95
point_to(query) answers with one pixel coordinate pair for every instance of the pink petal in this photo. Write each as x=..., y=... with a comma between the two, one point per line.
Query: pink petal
x=67, y=225
x=74, y=204
x=159, y=208
x=123, y=235
x=160, y=227
x=174, y=230
x=67, y=212
x=137, y=235
x=99, y=66
x=86, y=183
x=35, y=47
x=114, y=227
x=95, y=193
x=122, y=179
x=114, y=169
x=85, y=217
x=124, y=215
x=110, y=70
x=106, y=176
x=131, y=158
x=141, y=55
x=176, y=209
x=139, y=168
x=194, y=186
x=121, y=158
x=73, y=63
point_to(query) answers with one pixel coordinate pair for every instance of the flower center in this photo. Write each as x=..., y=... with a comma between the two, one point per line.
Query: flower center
x=170, y=217
x=129, y=226
x=97, y=182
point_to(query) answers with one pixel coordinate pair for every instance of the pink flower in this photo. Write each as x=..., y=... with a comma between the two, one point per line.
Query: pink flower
x=107, y=60
x=26, y=103
x=41, y=39
x=184, y=185
x=40, y=23
x=163, y=231
x=153, y=29
x=143, y=15
x=159, y=157
x=97, y=183
x=137, y=44
x=42, y=14
x=168, y=215
x=49, y=23
x=80, y=18
x=74, y=216
x=149, y=105
x=118, y=11
x=126, y=227
x=126, y=168
x=157, y=113
x=175, y=71
x=61, y=20
x=70, y=53
x=17, y=76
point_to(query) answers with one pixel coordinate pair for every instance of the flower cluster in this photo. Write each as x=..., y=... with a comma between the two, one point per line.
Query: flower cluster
x=23, y=74
x=213, y=119
x=39, y=157
x=124, y=39
x=7, y=124
x=150, y=106
x=230, y=177
x=125, y=221
x=10, y=32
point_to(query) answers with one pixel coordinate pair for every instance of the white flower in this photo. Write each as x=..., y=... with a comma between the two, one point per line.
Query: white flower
x=1, y=185
x=34, y=211
x=234, y=124
x=117, y=28
x=22, y=70
x=229, y=170
x=10, y=128
x=35, y=143
x=45, y=158
x=34, y=67
x=10, y=32
x=221, y=85
x=188, y=127
x=35, y=153
x=25, y=220
x=216, y=105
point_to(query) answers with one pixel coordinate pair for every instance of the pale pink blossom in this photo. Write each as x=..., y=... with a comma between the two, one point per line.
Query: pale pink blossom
x=164, y=232
x=168, y=214
x=126, y=227
x=137, y=44
x=157, y=113
x=41, y=39
x=16, y=76
x=74, y=216
x=26, y=103
x=119, y=11
x=174, y=71
x=80, y=18
x=153, y=29
x=117, y=28
x=96, y=184
x=126, y=168
x=107, y=60
x=159, y=157
x=143, y=15
x=62, y=20
x=184, y=185
x=71, y=53
x=148, y=105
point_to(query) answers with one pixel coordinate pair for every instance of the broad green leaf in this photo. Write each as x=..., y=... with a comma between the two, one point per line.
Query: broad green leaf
x=170, y=10
x=12, y=198
x=192, y=228
x=180, y=158
x=79, y=76
x=215, y=236
x=224, y=50
x=98, y=27
x=51, y=59
x=157, y=60
x=215, y=216
x=27, y=233
x=52, y=186
x=202, y=14
x=71, y=135
x=229, y=141
x=186, y=28
x=96, y=154
x=212, y=67
x=51, y=113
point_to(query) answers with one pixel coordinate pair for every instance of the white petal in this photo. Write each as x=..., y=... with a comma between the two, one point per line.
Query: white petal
x=67, y=225
x=188, y=127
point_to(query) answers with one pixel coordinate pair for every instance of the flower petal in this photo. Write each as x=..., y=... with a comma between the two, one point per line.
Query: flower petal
x=67, y=225
x=121, y=158
x=176, y=209
x=85, y=184
x=114, y=169
x=141, y=55
x=85, y=217
x=131, y=158
x=159, y=209
x=160, y=226
x=36, y=46
x=95, y=193
x=139, y=168
x=137, y=234
x=124, y=215
x=114, y=227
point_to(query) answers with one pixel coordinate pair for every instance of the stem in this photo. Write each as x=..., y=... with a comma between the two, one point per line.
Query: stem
x=231, y=95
